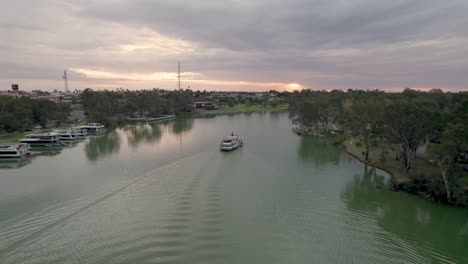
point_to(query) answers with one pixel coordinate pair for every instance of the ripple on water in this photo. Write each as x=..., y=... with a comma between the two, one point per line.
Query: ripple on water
x=35, y=228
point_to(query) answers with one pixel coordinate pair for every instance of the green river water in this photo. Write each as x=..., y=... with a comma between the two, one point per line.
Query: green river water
x=164, y=193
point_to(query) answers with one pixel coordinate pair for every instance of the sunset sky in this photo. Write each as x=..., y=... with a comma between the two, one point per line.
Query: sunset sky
x=235, y=45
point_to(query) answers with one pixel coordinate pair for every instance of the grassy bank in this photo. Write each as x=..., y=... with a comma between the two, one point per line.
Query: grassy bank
x=223, y=110
x=16, y=136
x=387, y=162
x=12, y=137
x=241, y=108
x=411, y=182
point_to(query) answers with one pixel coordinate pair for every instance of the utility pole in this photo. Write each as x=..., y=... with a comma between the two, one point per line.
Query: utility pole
x=65, y=78
x=179, y=76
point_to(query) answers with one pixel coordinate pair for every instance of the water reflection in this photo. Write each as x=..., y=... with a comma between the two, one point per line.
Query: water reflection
x=35, y=151
x=14, y=163
x=45, y=151
x=292, y=114
x=439, y=227
x=275, y=116
x=143, y=133
x=102, y=146
x=319, y=150
x=181, y=125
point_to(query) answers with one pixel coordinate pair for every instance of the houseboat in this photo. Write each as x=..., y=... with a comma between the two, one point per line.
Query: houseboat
x=91, y=129
x=48, y=140
x=14, y=150
x=66, y=135
x=80, y=134
x=231, y=143
x=102, y=127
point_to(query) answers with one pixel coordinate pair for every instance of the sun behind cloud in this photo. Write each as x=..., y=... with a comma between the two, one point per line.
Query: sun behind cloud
x=293, y=86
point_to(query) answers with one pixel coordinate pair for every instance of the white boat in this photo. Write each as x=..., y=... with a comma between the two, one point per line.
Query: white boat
x=102, y=127
x=91, y=129
x=231, y=143
x=50, y=139
x=14, y=150
x=66, y=135
x=80, y=134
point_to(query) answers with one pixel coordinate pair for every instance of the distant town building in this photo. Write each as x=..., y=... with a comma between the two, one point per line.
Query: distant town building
x=15, y=88
x=205, y=105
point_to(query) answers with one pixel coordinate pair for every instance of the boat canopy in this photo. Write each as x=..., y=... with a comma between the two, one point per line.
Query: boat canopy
x=230, y=138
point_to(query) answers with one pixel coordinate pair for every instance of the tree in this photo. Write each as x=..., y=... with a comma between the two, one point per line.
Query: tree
x=454, y=140
x=274, y=102
x=314, y=111
x=408, y=124
x=62, y=112
x=365, y=121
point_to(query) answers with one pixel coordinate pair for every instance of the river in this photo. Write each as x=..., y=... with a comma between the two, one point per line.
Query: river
x=164, y=193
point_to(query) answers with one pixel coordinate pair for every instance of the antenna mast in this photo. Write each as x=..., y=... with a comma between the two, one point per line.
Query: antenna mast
x=65, y=78
x=179, y=75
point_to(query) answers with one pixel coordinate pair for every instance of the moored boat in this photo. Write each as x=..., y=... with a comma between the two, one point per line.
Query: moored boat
x=48, y=140
x=80, y=134
x=91, y=129
x=231, y=143
x=66, y=135
x=102, y=127
x=14, y=150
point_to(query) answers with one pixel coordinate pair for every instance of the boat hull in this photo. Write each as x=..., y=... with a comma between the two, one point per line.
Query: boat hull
x=231, y=147
x=15, y=151
x=227, y=149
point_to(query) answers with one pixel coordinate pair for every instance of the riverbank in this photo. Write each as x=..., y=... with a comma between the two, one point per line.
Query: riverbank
x=255, y=108
x=13, y=137
x=422, y=170
x=238, y=109
x=16, y=136
x=379, y=160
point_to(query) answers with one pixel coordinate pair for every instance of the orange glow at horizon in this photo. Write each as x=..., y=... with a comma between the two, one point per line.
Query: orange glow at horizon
x=191, y=77
x=293, y=86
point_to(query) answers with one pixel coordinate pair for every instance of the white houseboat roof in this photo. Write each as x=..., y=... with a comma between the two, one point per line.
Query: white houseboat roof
x=12, y=146
x=230, y=138
x=52, y=134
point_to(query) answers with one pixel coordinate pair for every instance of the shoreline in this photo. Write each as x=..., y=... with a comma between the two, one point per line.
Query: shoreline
x=396, y=181
x=16, y=136
x=239, y=110
x=400, y=180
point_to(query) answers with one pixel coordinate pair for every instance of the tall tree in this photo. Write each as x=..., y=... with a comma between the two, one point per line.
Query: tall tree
x=409, y=122
x=365, y=121
x=454, y=141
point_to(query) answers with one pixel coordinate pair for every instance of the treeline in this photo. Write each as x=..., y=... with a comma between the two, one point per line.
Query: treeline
x=401, y=125
x=106, y=106
x=273, y=98
x=23, y=113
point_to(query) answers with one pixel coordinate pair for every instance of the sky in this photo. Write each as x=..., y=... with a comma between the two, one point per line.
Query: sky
x=235, y=45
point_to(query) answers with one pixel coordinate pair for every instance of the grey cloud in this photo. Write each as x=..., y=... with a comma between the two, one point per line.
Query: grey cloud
x=320, y=43
x=290, y=24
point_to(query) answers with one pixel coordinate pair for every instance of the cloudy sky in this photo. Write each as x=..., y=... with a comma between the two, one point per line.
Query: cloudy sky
x=235, y=44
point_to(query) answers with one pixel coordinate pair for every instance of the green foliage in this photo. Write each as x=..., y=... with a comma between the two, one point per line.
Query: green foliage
x=274, y=102
x=320, y=108
x=408, y=125
x=105, y=106
x=19, y=114
x=365, y=122
x=397, y=125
